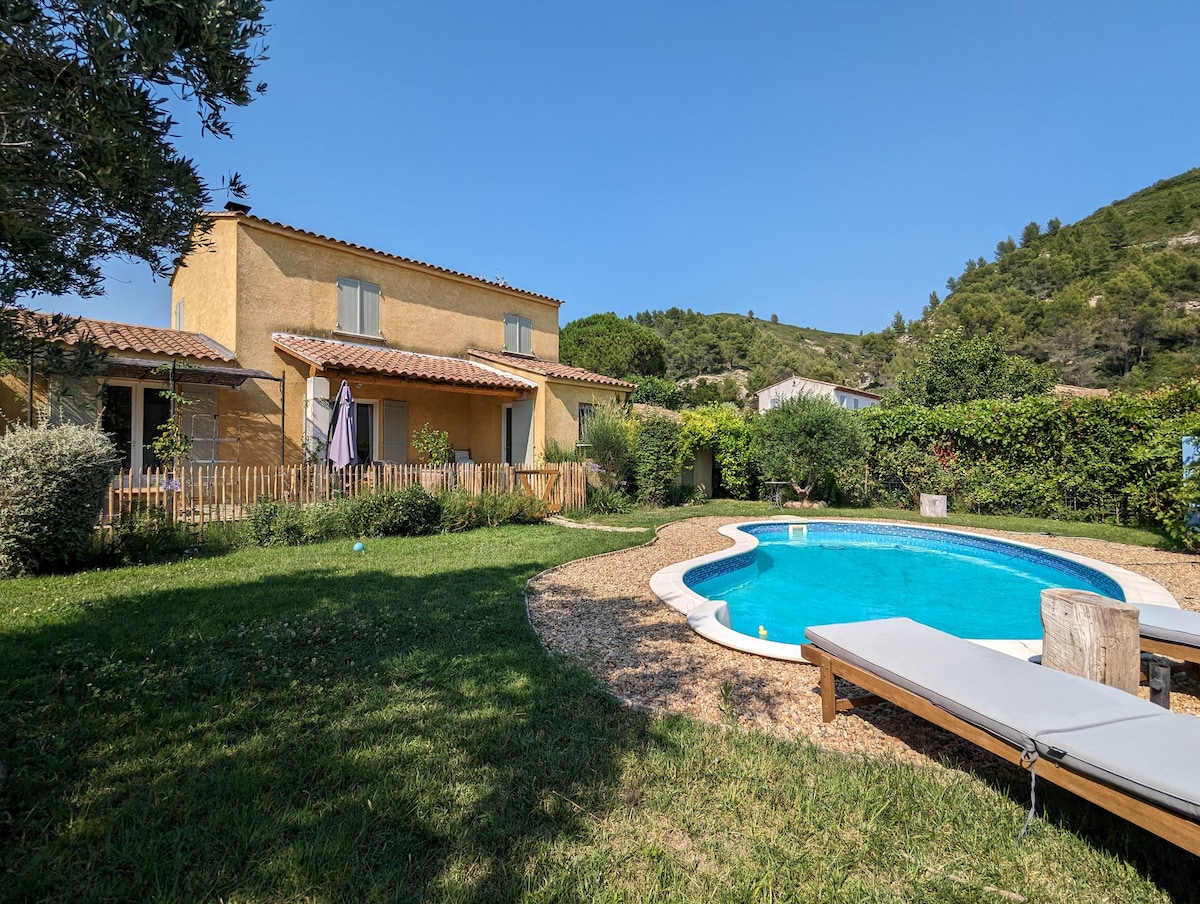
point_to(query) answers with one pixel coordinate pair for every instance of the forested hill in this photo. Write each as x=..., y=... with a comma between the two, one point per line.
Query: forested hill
x=767, y=351
x=1113, y=301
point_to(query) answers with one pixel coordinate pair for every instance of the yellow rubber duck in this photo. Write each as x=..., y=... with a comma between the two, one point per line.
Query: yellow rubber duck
x=762, y=632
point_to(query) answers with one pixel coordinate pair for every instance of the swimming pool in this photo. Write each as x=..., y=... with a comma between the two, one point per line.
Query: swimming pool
x=784, y=576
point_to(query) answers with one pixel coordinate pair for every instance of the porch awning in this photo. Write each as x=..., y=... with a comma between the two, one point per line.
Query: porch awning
x=207, y=374
x=324, y=355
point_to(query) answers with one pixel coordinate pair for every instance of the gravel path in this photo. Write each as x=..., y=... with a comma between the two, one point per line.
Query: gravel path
x=602, y=612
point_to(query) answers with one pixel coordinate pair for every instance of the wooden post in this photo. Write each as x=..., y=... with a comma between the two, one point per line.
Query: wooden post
x=1091, y=636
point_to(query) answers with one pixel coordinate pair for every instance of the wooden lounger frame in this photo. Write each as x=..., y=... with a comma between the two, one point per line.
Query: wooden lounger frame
x=1165, y=824
x=1181, y=651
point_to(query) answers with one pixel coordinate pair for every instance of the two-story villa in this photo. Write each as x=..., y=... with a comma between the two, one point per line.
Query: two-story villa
x=271, y=319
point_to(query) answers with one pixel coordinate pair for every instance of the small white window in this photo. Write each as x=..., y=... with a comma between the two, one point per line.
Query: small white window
x=774, y=402
x=358, y=307
x=179, y=321
x=585, y=412
x=518, y=334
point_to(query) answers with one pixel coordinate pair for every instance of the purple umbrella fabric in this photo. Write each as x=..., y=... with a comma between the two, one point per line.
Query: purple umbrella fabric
x=343, y=438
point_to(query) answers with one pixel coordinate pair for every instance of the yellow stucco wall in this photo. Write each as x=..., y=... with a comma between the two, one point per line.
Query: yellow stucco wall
x=12, y=401
x=287, y=282
x=562, y=409
x=256, y=278
x=206, y=282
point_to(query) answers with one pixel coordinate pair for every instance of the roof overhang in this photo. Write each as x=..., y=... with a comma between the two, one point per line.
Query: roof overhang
x=396, y=367
x=205, y=374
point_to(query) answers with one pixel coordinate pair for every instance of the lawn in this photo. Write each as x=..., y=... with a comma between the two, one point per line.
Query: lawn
x=311, y=724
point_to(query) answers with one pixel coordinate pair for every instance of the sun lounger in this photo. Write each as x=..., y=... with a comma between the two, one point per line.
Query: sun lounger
x=1170, y=632
x=1116, y=750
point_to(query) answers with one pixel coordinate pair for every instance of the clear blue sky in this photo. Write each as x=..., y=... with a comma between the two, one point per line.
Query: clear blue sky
x=830, y=163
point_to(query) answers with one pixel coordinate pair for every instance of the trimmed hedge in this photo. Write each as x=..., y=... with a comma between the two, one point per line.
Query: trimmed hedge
x=1042, y=456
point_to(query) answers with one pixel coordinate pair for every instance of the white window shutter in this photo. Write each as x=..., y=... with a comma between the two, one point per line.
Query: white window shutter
x=369, y=300
x=526, y=338
x=395, y=431
x=512, y=333
x=522, y=427
x=347, y=311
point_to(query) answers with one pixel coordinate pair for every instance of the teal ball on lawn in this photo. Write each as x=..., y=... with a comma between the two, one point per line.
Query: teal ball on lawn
x=358, y=547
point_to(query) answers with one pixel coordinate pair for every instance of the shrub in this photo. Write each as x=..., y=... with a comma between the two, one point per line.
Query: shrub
x=606, y=434
x=433, y=446
x=807, y=441
x=139, y=537
x=404, y=513
x=323, y=521
x=463, y=511
x=656, y=458
x=554, y=453
x=727, y=432
x=680, y=494
x=272, y=523
x=658, y=391
x=513, y=508
x=604, y=501
x=52, y=485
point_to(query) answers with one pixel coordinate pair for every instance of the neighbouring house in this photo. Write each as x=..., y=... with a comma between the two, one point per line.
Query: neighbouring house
x=776, y=394
x=269, y=319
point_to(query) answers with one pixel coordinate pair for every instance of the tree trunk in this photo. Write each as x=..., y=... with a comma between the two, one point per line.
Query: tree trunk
x=1091, y=636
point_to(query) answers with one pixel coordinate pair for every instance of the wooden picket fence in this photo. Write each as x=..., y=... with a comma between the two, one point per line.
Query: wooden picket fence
x=197, y=495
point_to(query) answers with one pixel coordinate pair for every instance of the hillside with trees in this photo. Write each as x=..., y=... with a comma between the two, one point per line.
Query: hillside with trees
x=1111, y=301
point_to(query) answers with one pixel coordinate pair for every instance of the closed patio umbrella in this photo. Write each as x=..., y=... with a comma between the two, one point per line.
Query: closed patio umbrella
x=343, y=434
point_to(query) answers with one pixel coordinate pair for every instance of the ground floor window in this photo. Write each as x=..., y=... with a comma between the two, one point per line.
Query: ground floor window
x=364, y=422
x=585, y=412
x=132, y=417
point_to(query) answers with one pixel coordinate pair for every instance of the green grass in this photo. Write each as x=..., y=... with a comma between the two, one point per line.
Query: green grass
x=308, y=724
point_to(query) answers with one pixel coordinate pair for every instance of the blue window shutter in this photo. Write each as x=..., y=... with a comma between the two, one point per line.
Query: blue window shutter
x=347, y=311
x=512, y=333
x=369, y=300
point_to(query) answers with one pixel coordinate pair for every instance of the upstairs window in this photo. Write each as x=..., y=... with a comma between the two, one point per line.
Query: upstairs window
x=518, y=334
x=358, y=307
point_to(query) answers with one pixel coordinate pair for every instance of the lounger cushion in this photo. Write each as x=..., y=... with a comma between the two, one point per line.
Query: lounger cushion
x=1155, y=759
x=1172, y=625
x=1102, y=732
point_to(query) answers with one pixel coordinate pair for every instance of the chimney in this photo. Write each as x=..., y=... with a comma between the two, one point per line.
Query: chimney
x=235, y=207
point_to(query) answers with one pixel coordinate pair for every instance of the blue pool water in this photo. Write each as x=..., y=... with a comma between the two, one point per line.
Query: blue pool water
x=973, y=587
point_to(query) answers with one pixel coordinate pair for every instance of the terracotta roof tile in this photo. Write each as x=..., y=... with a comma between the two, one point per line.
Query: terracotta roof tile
x=549, y=368
x=127, y=337
x=496, y=284
x=329, y=354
